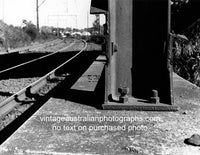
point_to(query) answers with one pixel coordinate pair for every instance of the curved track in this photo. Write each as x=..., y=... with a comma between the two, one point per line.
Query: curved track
x=23, y=56
x=8, y=104
x=62, y=71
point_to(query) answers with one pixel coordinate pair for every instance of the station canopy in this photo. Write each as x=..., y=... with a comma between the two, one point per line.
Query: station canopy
x=99, y=6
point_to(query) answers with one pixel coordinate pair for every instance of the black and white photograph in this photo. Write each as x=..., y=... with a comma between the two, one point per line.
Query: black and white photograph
x=99, y=77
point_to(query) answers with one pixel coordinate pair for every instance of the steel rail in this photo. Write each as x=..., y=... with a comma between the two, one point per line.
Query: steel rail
x=8, y=104
x=28, y=62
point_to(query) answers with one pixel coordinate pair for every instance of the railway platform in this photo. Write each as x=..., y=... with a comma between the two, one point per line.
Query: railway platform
x=71, y=126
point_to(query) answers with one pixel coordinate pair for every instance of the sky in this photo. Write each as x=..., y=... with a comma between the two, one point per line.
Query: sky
x=58, y=13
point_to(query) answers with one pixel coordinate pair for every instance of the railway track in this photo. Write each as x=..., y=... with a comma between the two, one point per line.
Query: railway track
x=25, y=54
x=40, y=84
x=4, y=73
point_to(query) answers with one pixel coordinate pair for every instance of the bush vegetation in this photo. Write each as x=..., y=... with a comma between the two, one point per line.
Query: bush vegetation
x=186, y=55
x=186, y=52
x=15, y=36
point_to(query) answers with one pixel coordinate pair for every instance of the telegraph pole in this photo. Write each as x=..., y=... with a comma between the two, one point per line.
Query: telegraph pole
x=87, y=20
x=37, y=15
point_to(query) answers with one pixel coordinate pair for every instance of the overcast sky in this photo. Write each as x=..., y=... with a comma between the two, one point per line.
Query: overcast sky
x=61, y=13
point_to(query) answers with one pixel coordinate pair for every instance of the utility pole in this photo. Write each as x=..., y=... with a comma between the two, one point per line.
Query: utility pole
x=37, y=14
x=98, y=23
x=87, y=20
x=76, y=22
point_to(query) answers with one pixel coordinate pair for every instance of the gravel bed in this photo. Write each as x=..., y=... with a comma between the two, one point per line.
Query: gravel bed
x=7, y=88
x=57, y=45
x=12, y=115
x=17, y=111
x=47, y=46
x=10, y=86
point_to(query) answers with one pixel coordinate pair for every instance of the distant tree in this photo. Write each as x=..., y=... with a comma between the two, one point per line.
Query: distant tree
x=69, y=29
x=30, y=29
x=46, y=32
x=96, y=25
x=75, y=30
x=46, y=29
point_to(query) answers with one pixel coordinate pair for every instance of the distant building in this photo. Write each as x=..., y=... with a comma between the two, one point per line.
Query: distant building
x=76, y=34
x=85, y=33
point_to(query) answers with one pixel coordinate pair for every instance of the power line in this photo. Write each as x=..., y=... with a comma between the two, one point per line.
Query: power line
x=41, y=3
